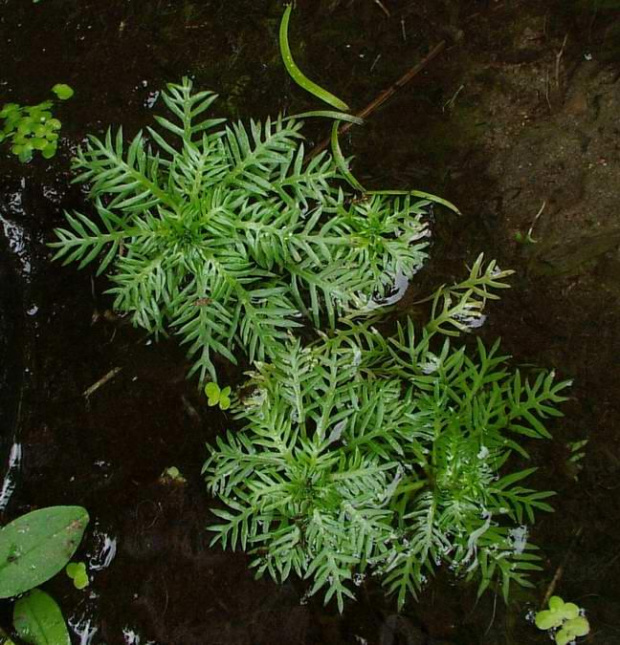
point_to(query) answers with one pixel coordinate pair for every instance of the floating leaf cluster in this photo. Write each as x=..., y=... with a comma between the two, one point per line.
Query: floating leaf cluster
x=33, y=128
x=564, y=619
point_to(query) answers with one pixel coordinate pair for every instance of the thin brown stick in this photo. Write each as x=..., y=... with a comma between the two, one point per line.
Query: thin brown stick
x=560, y=570
x=384, y=96
x=558, y=58
x=102, y=381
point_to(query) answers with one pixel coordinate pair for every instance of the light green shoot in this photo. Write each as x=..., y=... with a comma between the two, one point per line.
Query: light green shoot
x=63, y=91
x=172, y=474
x=218, y=397
x=297, y=75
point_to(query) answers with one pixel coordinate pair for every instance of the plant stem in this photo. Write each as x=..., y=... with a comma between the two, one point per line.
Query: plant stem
x=384, y=96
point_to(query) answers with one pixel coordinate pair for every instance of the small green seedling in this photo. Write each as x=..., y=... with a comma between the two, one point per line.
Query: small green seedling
x=565, y=617
x=31, y=128
x=63, y=91
x=77, y=572
x=576, y=457
x=216, y=396
x=526, y=239
x=172, y=474
x=577, y=450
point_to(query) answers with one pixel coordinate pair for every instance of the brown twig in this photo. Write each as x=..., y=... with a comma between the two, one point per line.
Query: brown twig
x=385, y=95
x=558, y=58
x=560, y=570
x=102, y=381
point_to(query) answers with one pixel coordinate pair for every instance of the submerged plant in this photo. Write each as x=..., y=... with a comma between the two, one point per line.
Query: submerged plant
x=33, y=549
x=358, y=453
x=223, y=235
x=361, y=453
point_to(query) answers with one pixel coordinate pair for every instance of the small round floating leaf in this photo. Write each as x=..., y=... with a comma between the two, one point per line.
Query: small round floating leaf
x=26, y=125
x=547, y=619
x=224, y=399
x=569, y=611
x=577, y=626
x=54, y=124
x=24, y=156
x=297, y=75
x=63, y=91
x=9, y=108
x=49, y=151
x=81, y=581
x=212, y=390
x=39, y=144
x=556, y=603
x=38, y=620
x=36, y=546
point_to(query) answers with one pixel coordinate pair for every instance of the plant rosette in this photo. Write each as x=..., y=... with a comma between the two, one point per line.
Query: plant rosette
x=565, y=617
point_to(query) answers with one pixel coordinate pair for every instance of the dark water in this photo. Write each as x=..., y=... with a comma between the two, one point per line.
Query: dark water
x=107, y=451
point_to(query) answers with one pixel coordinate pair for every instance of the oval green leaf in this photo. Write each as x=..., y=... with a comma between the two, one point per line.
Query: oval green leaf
x=63, y=91
x=212, y=390
x=36, y=546
x=547, y=619
x=569, y=611
x=577, y=626
x=556, y=603
x=297, y=75
x=49, y=151
x=38, y=620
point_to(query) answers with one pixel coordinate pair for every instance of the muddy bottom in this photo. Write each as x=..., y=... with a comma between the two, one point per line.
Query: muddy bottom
x=516, y=122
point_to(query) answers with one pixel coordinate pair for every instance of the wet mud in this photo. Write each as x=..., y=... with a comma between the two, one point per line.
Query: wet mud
x=516, y=122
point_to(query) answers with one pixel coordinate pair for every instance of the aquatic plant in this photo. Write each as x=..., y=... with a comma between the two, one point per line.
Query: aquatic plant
x=223, y=234
x=76, y=571
x=33, y=549
x=565, y=620
x=33, y=128
x=217, y=396
x=361, y=453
